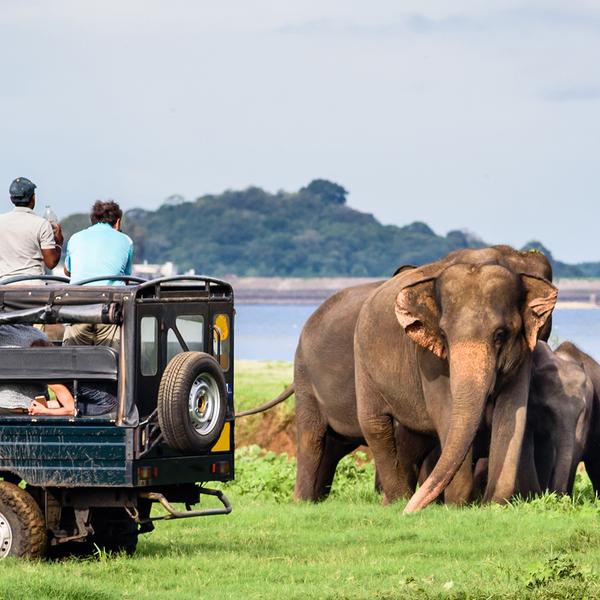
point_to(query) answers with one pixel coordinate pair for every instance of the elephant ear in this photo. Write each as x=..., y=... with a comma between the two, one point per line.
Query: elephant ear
x=540, y=299
x=403, y=268
x=417, y=310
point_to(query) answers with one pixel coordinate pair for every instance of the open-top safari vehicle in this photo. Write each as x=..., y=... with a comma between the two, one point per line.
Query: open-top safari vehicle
x=72, y=482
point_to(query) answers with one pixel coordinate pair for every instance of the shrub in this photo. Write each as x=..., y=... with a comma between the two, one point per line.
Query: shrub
x=554, y=568
x=270, y=476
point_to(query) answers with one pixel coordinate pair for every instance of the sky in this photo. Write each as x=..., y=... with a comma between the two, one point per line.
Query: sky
x=464, y=114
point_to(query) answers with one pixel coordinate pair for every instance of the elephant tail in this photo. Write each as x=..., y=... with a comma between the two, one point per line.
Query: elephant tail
x=270, y=404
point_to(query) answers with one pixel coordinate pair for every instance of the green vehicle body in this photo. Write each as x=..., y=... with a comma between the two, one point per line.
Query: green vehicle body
x=119, y=464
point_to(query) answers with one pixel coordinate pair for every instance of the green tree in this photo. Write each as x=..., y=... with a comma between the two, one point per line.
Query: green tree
x=327, y=191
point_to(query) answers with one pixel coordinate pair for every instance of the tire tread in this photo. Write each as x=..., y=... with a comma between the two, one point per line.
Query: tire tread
x=174, y=384
x=30, y=518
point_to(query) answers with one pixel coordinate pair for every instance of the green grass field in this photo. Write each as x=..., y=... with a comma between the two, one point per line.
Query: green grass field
x=346, y=547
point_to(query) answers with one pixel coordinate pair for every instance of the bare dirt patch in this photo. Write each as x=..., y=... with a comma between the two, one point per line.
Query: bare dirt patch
x=272, y=431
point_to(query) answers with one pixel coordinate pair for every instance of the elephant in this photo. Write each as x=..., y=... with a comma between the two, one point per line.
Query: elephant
x=559, y=417
x=591, y=454
x=559, y=414
x=428, y=349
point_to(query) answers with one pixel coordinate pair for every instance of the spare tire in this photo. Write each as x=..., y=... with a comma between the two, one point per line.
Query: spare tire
x=192, y=402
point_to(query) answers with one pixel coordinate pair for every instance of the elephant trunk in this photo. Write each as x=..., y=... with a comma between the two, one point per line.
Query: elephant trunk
x=472, y=376
x=565, y=468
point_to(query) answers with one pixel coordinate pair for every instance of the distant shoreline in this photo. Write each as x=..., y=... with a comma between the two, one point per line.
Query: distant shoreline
x=576, y=306
x=574, y=294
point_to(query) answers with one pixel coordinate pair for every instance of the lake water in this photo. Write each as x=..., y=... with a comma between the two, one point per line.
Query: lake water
x=270, y=332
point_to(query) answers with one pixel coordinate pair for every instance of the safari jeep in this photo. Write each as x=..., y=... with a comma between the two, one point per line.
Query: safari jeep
x=78, y=482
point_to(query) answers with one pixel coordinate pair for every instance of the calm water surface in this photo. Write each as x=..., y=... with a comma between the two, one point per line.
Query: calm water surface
x=270, y=332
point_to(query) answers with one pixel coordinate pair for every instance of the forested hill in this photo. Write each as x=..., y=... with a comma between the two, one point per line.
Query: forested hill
x=311, y=232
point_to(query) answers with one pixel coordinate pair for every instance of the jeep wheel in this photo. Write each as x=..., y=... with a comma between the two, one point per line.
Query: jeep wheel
x=22, y=525
x=192, y=401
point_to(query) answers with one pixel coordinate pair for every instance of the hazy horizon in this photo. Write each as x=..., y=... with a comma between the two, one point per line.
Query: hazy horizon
x=482, y=117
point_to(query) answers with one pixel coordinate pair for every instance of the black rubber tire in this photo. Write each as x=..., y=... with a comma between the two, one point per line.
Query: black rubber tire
x=173, y=401
x=26, y=521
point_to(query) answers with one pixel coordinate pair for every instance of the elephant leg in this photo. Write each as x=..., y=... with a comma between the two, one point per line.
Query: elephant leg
x=335, y=449
x=459, y=491
x=378, y=487
x=378, y=429
x=591, y=460
x=428, y=464
x=396, y=460
x=568, y=453
x=396, y=450
x=508, y=429
x=592, y=465
x=310, y=448
x=427, y=467
x=460, y=488
x=530, y=469
x=480, y=477
x=416, y=449
x=565, y=467
x=396, y=476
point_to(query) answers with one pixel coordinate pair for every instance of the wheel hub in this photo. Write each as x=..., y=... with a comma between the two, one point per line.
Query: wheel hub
x=204, y=404
x=5, y=536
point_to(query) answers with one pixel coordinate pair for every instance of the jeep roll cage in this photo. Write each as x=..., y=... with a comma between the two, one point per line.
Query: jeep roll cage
x=60, y=302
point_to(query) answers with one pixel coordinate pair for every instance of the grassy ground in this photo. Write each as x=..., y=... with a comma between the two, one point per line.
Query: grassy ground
x=346, y=547
x=342, y=548
x=256, y=382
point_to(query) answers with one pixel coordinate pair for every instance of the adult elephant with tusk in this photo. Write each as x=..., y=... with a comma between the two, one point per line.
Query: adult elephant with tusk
x=559, y=430
x=429, y=349
x=432, y=347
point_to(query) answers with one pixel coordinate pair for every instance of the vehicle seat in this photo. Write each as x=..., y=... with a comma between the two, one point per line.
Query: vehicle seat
x=87, y=363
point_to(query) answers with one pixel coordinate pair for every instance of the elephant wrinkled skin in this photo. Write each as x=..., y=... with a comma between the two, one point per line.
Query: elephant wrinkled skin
x=591, y=455
x=558, y=422
x=432, y=347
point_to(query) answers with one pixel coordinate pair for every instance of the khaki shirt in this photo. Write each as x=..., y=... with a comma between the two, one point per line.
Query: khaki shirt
x=23, y=236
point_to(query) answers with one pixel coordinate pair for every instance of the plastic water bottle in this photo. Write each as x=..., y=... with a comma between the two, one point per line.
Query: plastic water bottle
x=50, y=215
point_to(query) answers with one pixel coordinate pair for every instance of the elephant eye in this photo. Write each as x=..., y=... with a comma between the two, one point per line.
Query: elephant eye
x=500, y=336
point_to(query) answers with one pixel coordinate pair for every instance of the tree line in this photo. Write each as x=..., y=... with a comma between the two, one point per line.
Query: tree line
x=308, y=233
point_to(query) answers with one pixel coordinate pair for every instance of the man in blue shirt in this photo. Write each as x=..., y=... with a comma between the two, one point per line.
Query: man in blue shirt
x=96, y=251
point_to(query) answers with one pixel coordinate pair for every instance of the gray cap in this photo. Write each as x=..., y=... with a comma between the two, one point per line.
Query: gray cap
x=21, y=189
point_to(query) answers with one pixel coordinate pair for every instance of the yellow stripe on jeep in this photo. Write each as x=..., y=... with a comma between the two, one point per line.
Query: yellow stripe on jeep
x=223, y=443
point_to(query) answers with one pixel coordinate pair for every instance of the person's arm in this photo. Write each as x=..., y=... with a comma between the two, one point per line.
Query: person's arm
x=64, y=397
x=51, y=240
x=129, y=264
x=67, y=267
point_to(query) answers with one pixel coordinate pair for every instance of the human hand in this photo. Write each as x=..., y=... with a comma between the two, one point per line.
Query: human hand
x=58, y=236
x=37, y=408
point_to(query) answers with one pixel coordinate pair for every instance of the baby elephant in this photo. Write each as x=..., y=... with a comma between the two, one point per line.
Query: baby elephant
x=559, y=420
x=591, y=455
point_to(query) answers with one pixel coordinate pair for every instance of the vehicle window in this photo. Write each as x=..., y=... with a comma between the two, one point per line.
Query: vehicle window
x=191, y=329
x=148, y=345
x=222, y=340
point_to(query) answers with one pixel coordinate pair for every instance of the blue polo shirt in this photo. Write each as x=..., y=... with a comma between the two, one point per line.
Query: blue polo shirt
x=99, y=250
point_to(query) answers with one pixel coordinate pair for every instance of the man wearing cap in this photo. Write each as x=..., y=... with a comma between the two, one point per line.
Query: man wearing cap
x=27, y=241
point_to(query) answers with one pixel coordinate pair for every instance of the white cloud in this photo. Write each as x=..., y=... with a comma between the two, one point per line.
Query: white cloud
x=461, y=115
